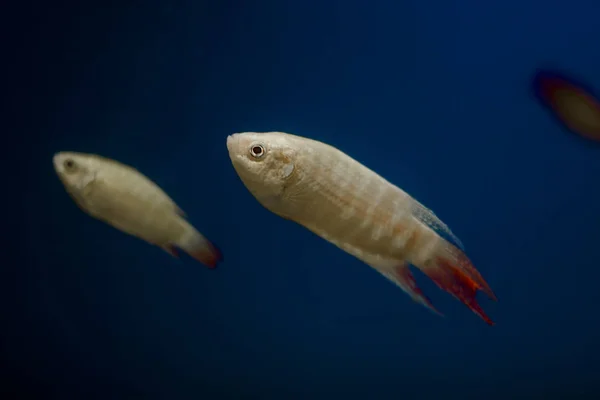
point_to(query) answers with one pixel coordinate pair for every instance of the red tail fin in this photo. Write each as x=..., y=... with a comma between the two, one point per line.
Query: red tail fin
x=453, y=272
x=207, y=254
x=200, y=248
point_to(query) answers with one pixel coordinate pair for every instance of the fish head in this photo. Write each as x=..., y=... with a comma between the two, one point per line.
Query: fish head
x=75, y=170
x=264, y=161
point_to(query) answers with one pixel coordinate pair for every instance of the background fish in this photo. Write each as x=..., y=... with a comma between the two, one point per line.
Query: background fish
x=354, y=208
x=124, y=198
x=570, y=101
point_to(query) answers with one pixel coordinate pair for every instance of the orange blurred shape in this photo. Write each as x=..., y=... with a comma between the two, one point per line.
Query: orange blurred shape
x=570, y=101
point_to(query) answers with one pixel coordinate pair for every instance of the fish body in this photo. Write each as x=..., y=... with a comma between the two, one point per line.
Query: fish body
x=570, y=101
x=124, y=198
x=344, y=202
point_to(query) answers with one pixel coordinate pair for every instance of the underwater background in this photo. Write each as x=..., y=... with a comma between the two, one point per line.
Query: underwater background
x=433, y=95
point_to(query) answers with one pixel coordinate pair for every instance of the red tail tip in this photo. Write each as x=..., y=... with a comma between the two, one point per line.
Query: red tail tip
x=210, y=256
x=462, y=281
x=217, y=257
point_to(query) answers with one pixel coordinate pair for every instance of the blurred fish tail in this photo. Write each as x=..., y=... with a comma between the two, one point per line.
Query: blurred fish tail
x=453, y=272
x=570, y=100
x=200, y=248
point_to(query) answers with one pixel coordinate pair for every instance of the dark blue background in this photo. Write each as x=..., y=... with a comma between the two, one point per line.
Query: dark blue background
x=433, y=95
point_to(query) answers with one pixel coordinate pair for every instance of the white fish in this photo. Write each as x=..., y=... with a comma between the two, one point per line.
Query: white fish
x=127, y=200
x=351, y=206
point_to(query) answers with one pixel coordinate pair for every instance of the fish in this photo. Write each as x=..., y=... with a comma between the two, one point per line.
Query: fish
x=571, y=102
x=124, y=198
x=349, y=205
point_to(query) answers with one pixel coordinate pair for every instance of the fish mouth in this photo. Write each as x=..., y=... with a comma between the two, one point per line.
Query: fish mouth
x=57, y=161
x=233, y=145
x=231, y=139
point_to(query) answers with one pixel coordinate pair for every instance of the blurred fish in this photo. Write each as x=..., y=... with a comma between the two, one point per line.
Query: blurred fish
x=124, y=198
x=570, y=102
x=349, y=205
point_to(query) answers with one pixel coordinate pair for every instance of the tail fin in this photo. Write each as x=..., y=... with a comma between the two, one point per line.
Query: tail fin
x=200, y=248
x=453, y=272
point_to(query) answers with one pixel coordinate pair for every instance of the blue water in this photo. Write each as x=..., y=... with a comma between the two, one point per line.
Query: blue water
x=433, y=95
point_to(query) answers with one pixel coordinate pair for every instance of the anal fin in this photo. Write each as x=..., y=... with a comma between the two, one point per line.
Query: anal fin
x=403, y=277
x=172, y=250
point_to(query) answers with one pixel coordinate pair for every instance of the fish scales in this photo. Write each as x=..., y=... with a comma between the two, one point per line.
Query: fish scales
x=135, y=208
x=126, y=178
x=352, y=206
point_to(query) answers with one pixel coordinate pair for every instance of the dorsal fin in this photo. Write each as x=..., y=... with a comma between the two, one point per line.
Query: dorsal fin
x=427, y=217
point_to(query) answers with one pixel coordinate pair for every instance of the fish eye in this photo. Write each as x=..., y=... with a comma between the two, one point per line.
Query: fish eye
x=69, y=164
x=257, y=151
